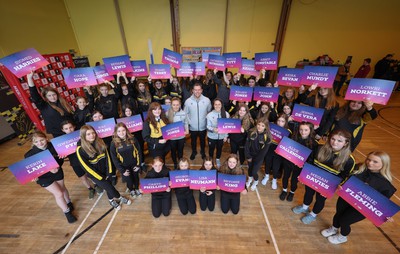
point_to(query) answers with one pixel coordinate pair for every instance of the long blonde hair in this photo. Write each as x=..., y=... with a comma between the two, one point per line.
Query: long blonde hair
x=247, y=121
x=97, y=147
x=384, y=171
x=326, y=152
x=65, y=107
x=117, y=140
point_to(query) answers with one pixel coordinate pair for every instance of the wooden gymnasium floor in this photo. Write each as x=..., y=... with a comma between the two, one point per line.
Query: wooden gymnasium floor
x=31, y=222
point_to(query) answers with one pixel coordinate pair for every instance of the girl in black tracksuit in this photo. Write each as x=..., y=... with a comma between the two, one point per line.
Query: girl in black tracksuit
x=157, y=90
x=184, y=195
x=231, y=200
x=304, y=135
x=52, y=106
x=125, y=92
x=207, y=197
x=334, y=157
x=106, y=103
x=127, y=157
x=257, y=145
x=83, y=112
x=143, y=97
x=173, y=88
x=160, y=201
x=127, y=111
x=375, y=172
x=95, y=160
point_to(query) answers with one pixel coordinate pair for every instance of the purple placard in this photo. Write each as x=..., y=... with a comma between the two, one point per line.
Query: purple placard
x=171, y=57
x=165, y=107
x=290, y=77
x=231, y=183
x=118, y=63
x=160, y=71
x=233, y=60
x=133, y=123
x=310, y=114
x=319, y=180
x=79, y=77
x=266, y=61
x=179, y=178
x=293, y=151
x=186, y=70
x=173, y=130
x=33, y=167
x=104, y=128
x=216, y=62
x=269, y=94
x=278, y=132
x=248, y=68
x=369, y=202
x=374, y=90
x=322, y=76
x=206, y=55
x=101, y=74
x=144, y=114
x=150, y=185
x=241, y=93
x=66, y=144
x=23, y=62
x=139, y=69
x=229, y=125
x=200, y=69
x=203, y=179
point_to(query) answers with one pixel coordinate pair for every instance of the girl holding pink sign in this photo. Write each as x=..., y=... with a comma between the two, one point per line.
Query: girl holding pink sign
x=334, y=157
x=52, y=181
x=375, y=172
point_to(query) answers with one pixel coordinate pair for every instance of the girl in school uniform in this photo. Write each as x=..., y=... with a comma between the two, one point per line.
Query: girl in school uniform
x=143, y=96
x=216, y=140
x=160, y=201
x=157, y=90
x=257, y=145
x=238, y=140
x=125, y=91
x=54, y=108
x=375, y=171
x=95, y=160
x=176, y=114
x=52, y=181
x=334, y=157
x=207, y=197
x=106, y=103
x=128, y=111
x=223, y=86
x=83, y=112
x=305, y=136
x=174, y=89
x=156, y=119
x=288, y=97
x=184, y=195
x=127, y=157
x=231, y=200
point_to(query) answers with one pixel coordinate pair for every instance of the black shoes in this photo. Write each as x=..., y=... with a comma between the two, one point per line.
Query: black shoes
x=283, y=195
x=193, y=155
x=290, y=197
x=70, y=217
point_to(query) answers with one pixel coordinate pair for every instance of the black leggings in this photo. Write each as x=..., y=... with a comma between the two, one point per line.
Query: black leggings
x=230, y=202
x=132, y=181
x=187, y=204
x=160, y=151
x=215, y=143
x=254, y=167
x=207, y=201
x=235, y=147
x=319, y=202
x=177, y=149
x=345, y=216
x=161, y=205
x=108, y=187
x=193, y=140
x=289, y=169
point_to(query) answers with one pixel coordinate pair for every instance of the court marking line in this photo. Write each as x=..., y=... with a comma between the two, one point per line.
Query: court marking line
x=268, y=224
x=385, y=130
x=105, y=232
x=81, y=225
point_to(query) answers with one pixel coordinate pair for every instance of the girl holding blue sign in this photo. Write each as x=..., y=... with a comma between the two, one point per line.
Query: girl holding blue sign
x=257, y=145
x=207, y=197
x=184, y=195
x=375, y=172
x=127, y=157
x=305, y=136
x=127, y=111
x=216, y=140
x=176, y=114
x=95, y=160
x=52, y=181
x=160, y=201
x=231, y=200
x=334, y=157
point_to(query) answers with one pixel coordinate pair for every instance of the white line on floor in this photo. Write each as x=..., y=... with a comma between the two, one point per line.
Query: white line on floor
x=83, y=222
x=268, y=224
x=385, y=130
x=105, y=232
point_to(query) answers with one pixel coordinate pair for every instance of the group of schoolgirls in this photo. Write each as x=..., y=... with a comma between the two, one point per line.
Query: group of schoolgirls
x=341, y=128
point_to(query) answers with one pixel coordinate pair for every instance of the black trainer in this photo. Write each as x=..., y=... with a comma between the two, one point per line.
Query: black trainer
x=70, y=206
x=193, y=155
x=283, y=195
x=290, y=197
x=70, y=217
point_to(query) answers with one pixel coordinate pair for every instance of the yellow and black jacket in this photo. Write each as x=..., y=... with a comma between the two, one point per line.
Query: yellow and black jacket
x=126, y=156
